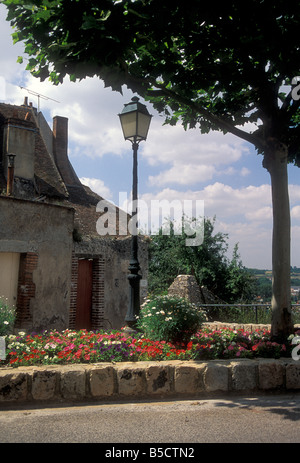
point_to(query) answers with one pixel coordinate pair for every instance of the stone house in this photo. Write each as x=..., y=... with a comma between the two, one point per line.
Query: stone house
x=54, y=266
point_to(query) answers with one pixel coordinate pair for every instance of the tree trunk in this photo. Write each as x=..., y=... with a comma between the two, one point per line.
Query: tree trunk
x=276, y=163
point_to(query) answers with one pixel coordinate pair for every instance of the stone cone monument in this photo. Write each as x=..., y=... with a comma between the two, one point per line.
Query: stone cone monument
x=186, y=286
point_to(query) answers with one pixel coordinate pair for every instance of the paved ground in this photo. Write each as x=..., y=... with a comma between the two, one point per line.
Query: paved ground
x=269, y=419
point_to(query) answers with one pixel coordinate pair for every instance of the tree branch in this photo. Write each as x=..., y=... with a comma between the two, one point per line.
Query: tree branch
x=223, y=125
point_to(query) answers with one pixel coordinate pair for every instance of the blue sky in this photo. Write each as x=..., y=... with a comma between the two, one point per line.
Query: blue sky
x=222, y=171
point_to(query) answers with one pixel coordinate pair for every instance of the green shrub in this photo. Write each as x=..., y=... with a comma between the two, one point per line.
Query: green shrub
x=171, y=319
x=7, y=317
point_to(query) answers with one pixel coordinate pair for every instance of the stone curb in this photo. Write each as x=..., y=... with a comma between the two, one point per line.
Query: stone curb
x=164, y=379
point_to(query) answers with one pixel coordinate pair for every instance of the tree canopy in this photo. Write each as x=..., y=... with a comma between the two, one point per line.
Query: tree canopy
x=231, y=67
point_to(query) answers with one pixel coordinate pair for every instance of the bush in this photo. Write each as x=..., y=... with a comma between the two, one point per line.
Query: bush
x=7, y=317
x=170, y=319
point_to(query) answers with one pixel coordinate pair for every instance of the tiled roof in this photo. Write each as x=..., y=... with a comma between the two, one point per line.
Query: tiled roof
x=85, y=202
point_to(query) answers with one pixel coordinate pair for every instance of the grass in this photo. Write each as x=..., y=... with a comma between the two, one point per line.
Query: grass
x=69, y=347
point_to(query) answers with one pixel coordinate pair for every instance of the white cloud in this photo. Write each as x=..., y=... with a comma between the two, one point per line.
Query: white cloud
x=262, y=214
x=294, y=192
x=255, y=244
x=245, y=172
x=190, y=156
x=186, y=174
x=9, y=68
x=97, y=186
x=224, y=201
x=295, y=212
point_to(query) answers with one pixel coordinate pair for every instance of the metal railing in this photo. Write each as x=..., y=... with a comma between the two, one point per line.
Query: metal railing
x=244, y=313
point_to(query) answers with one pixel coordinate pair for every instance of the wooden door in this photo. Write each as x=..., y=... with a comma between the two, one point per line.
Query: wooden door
x=84, y=295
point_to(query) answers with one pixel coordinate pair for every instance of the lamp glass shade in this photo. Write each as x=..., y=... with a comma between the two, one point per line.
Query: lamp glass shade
x=135, y=121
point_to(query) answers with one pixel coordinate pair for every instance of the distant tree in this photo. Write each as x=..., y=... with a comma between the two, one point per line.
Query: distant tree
x=169, y=256
x=264, y=288
x=241, y=284
x=218, y=67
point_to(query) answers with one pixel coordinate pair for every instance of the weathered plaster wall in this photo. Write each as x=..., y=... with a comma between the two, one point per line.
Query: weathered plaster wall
x=116, y=255
x=45, y=230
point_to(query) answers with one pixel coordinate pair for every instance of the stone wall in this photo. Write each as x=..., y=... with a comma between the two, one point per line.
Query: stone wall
x=165, y=379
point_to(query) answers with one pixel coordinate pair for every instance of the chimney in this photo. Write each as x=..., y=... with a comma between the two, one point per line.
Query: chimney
x=60, y=151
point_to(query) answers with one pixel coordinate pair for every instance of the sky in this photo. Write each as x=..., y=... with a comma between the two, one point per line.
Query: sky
x=220, y=172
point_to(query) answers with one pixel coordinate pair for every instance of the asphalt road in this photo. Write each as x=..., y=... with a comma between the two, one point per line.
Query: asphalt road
x=268, y=419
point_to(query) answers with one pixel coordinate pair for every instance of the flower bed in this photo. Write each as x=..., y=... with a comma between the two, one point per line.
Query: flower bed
x=69, y=347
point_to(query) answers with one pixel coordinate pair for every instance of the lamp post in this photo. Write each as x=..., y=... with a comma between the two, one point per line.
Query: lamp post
x=135, y=121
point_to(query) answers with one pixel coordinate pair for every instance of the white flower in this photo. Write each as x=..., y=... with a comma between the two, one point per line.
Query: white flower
x=50, y=345
x=6, y=322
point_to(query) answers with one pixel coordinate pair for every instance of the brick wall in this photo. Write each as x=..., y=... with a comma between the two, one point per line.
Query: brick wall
x=73, y=295
x=98, y=294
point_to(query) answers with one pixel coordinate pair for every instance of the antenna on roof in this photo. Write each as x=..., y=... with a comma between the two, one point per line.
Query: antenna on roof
x=32, y=92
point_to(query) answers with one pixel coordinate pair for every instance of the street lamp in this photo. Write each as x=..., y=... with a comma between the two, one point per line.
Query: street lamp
x=135, y=121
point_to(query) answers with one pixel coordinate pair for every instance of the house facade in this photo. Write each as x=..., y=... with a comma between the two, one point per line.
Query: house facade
x=55, y=267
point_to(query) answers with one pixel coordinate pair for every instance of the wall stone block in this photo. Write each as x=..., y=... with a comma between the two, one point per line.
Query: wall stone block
x=44, y=383
x=73, y=382
x=102, y=380
x=216, y=377
x=189, y=378
x=13, y=385
x=159, y=379
x=244, y=375
x=131, y=380
x=293, y=375
x=271, y=374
